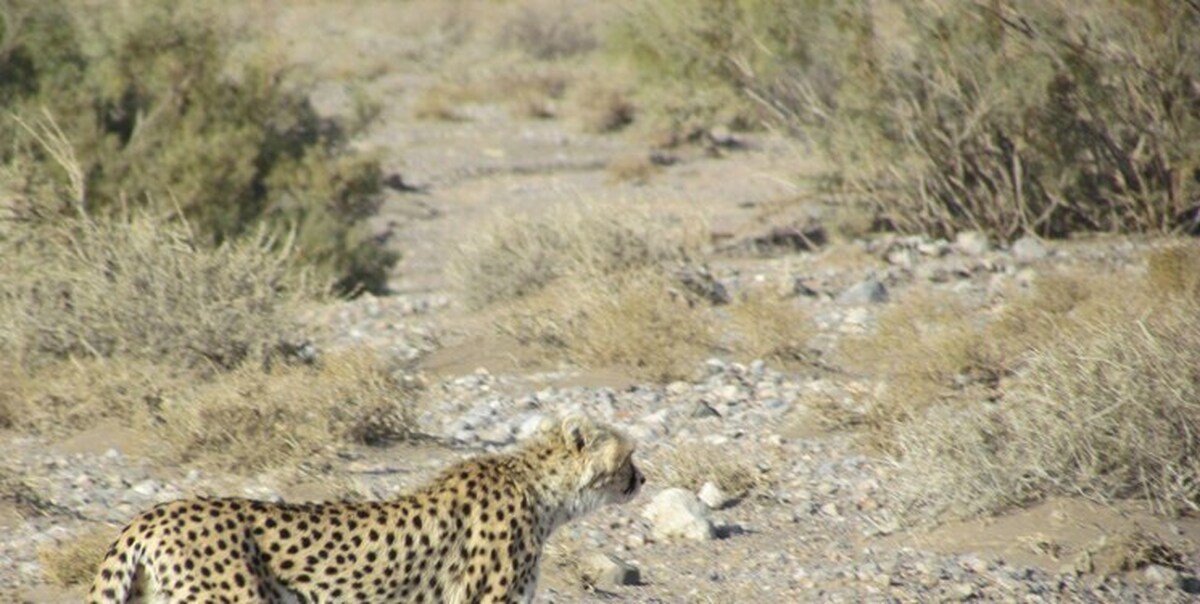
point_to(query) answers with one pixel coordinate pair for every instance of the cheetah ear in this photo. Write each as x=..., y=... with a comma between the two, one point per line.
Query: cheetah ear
x=576, y=432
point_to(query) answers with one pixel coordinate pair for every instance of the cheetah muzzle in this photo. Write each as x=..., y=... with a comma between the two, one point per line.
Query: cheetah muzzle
x=474, y=534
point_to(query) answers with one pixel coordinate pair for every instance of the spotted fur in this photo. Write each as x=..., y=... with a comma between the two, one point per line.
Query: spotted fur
x=473, y=535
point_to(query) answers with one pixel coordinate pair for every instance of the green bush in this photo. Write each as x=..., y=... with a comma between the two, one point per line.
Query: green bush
x=172, y=106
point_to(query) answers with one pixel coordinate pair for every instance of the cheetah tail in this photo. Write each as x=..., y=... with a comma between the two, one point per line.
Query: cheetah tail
x=118, y=572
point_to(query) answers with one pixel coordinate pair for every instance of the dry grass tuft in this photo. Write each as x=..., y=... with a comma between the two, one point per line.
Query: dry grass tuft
x=637, y=168
x=637, y=320
x=769, y=327
x=68, y=396
x=602, y=108
x=689, y=466
x=548, y=30
x=1127, y=550
x=74, y=561
x=516, y=256
x=1174, y=270
x=441, y=103
x=251, y=420
x=923, y=348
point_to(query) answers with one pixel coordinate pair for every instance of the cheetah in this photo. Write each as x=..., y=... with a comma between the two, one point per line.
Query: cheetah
x=473, y=534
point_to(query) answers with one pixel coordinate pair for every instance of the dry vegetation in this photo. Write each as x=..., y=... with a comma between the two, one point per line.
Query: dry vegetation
x=73, y=561
x=690, y=466
x=110, y=107
x=1096, y=396
x=1011, y=117
x=598, y=285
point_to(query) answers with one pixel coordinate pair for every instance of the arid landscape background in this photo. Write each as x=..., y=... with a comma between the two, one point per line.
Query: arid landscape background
x=907, y=293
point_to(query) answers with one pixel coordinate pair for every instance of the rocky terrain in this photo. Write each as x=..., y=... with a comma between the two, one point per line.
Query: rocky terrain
x=757, y=493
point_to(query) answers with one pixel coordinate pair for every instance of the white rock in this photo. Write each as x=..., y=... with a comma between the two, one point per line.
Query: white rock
x=678, y=513
x=1029, y=248
x=606, y=569
x=146, y=488
x=713, y=496
x=972, y=243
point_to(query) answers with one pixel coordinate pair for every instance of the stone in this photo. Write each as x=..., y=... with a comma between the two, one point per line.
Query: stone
x=713, y=496
x=972, y=243
x=1029, y=248
x=1160, y=575
x=606, y=569
x=703, y=409
x=678, y=513
x=870, y=291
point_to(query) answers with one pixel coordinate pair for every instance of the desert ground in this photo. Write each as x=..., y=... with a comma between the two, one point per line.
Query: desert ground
x=798, y=324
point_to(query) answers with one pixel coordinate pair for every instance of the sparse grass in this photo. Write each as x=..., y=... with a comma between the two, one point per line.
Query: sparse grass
x=74, y=561
x=250, y=420
x=515, y=256
x=637, y=320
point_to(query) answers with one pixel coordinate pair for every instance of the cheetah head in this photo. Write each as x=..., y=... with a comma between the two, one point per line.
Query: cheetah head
x=594, y=464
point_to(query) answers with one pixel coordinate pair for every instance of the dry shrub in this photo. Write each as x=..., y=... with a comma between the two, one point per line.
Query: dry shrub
x=637, y=168
x=600, y=107
x=924, y=348
x=769, y=327
x=529, y=92
x=693, y=58
x=65, y=397
x=251, y=420
x=1012, y=116
x=143, y=289
x=441, y=102
x=930, y=349
x=1129, y=549
x=638, y=320
x=548, y=30
x=1174, y=270
x=74, y=561
x=1107, y=409
x=515, y=256
x=689, y=466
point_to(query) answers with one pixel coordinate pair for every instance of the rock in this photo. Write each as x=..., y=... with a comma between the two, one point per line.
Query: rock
x=678, y=513
x=902, y=257
x=713, y=496
x=1160, y=575
x=606, y=569
x=972, y=243
x=703, y=409
x=1029, y=248
x=870, y=291
x=1190, y=585
x=146, y=488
